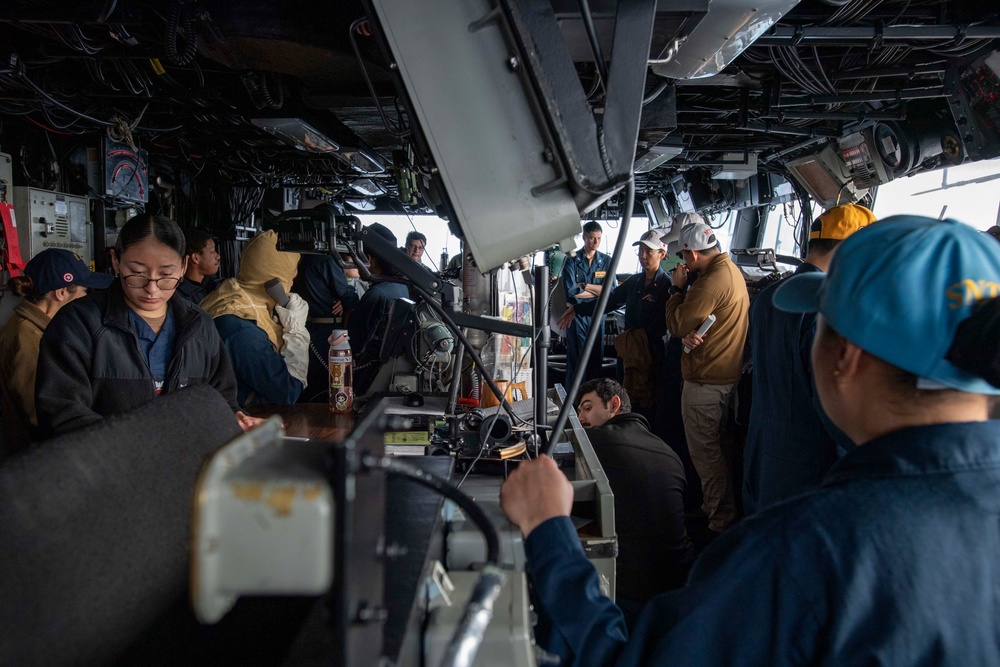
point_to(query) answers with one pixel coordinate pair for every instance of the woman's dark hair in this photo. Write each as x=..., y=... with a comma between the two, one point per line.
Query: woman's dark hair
x=976, y=347
x=142, y=226
x=23, y=286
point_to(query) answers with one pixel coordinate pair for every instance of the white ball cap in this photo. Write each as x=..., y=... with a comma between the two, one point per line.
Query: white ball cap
x=652, y=240
x=697, y=236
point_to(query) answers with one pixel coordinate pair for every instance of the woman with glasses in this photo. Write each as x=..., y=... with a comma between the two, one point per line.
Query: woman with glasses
x=118, y=349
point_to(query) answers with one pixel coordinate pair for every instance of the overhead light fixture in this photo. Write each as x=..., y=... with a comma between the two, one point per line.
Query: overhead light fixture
x=361, y=204
x=367, y=187
x=303, y=136
x=656, y=156
x=298, y=133
x=362, y=161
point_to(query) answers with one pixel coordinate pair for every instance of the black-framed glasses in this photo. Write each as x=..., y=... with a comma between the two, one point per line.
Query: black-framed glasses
x=137, y=280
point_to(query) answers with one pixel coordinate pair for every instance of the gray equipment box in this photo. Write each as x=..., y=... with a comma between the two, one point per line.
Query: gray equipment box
x=52, y=220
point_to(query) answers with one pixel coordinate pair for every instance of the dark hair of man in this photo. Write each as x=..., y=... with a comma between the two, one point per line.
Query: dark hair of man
x=415, y=236
x=383, y=267
x=142, y=226
x=823, y=246
x=197, y=239
x=606, y=389
x=592, y=226
x=713, y=250
x=974, y=348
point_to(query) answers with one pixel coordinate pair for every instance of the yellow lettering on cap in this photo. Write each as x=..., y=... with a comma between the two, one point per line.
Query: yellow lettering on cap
x=970, y=291
x=954, y=295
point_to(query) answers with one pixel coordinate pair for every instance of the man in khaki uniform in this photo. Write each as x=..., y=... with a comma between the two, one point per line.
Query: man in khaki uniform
x=712, y=367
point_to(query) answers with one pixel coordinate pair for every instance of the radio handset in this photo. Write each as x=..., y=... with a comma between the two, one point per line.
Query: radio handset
x=277, y=292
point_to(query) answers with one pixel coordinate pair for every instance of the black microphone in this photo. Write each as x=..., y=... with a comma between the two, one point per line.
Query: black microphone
x=277, y=292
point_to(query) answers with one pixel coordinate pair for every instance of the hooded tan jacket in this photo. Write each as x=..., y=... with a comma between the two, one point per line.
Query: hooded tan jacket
x=722, y=291
x=19, y=342
x=245, y=296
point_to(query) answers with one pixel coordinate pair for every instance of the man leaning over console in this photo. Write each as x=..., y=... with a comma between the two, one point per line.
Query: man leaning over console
x=647, y=478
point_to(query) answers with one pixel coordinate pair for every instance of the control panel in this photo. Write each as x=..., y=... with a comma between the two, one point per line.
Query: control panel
x=6, y=177
x=53, y=220
x=975, y=95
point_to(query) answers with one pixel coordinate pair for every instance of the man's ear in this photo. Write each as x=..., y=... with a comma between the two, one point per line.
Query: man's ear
x=849, y=359
x=62, y=294
x=615, y=404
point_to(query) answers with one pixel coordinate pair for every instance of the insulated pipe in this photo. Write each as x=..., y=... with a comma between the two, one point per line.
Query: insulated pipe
x=543, y=340
x=861, y=35
x=872, y=96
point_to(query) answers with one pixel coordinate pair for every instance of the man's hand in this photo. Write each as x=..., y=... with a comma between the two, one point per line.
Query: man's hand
x=591, y=291
x=692, y=340
x=566, y=318
x=248, y=423
x=338, y=307
x=534, y=493
x=679, y=275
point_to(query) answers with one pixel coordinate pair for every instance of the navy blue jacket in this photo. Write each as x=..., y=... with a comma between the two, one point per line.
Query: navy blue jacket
x=893, y=561
x=195, y=292
x=91, y=365
x=644, y=307
x=791, y=443
x=366, y=320
x=320, y=282
x=261, y=373
x=577, y=270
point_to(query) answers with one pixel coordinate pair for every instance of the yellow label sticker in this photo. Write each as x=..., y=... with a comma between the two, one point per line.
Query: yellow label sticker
x=600, y=274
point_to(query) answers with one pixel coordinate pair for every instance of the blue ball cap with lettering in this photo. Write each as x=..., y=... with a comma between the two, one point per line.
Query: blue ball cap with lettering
x=899, y=288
